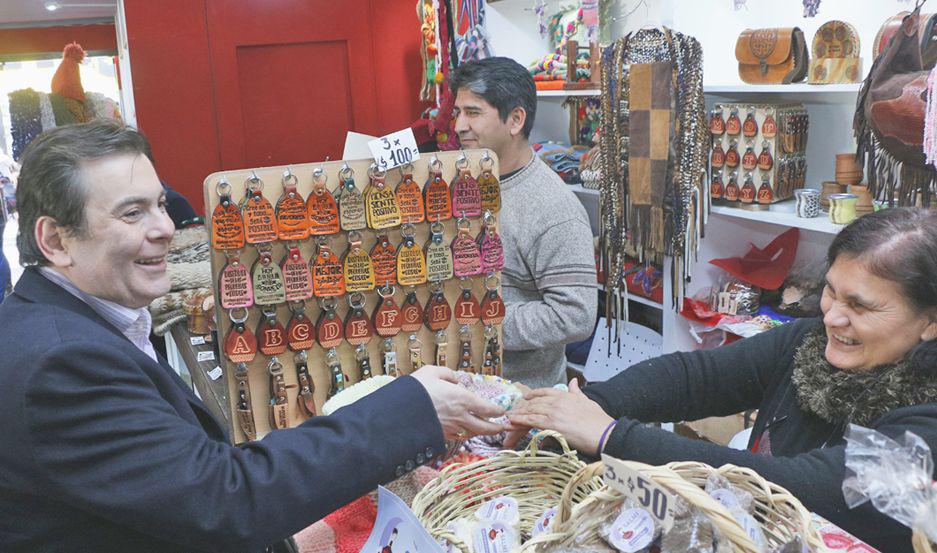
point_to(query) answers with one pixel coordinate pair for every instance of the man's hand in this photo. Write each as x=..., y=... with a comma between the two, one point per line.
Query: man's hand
x=461, y=413
x=579, y=419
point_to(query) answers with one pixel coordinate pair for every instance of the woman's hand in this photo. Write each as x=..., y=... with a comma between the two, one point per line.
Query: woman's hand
x=461, y=413
x=579, y=419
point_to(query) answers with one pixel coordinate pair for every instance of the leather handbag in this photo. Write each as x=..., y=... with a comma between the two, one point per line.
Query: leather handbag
x=927, y=36
x=772, y=56
x=835, y=54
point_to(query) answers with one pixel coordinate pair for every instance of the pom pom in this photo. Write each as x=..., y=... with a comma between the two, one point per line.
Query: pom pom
x=74, y=51
x=439, y=77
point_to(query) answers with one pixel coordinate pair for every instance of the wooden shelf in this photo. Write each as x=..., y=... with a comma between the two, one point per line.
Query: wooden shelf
x=782, y=214
x=566, y=93
x=800, y=92
x=644, y=301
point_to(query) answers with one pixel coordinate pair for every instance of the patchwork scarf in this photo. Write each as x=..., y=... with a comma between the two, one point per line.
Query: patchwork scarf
x=859, y=397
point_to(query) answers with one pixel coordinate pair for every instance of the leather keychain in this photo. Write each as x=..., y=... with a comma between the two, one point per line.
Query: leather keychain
x=321, y=207
x=244, y=409
x=227, y=226
x=380, y=202
x=717, y=159
x=492, y=304
x=732, y=188
x=716, y=188
x=415, y=348
x=240, y=347
x=410, y=197
x=411, y=265
x=466, y=195
x=328, y=277
x=488, y=184
x=364, y=362
x=351, y=210
x=388, y=322
x=750, y=126
x=717, y=125
x=467, y=308
x=271, y=336
x=732, y=155
x=465, y=349
x=359, y=271
x=733, y=124
x=438, y=255
x=305, y=396
x=384, y=259
x=748, y=192
x=329, y=329
x=279, y=401
x=292, y=217
x=234, y=284
x=769, y=127
x=267, y=278
x=749, y=159
x=260, y=220
x=300, y=333
x=765, y=193
x=436, y=197
x=297, y=279
x=489, y=242
x=411, y=314
x=337, y=377
x=466, y=255
x=491, y=365
x=437, y=315
x=358, y=327
x=765, y=161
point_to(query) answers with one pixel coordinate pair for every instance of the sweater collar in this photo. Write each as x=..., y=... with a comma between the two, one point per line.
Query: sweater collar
x=843, y=397
x=522, y=175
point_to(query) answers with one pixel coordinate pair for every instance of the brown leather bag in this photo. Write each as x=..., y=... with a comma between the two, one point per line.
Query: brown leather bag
x=772, y=56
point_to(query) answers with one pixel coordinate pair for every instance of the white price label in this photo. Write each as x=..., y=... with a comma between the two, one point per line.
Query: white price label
x=197, y=340
x=656, y=499
x=215, y=373
x=205, y=356
x=395, y=149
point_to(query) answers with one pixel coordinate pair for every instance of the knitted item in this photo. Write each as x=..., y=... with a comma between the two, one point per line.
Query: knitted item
x=188, y=264
x=175, y=301
x=25, y=119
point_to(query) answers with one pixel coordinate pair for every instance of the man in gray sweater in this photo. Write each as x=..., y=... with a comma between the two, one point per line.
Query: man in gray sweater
x=549, y=282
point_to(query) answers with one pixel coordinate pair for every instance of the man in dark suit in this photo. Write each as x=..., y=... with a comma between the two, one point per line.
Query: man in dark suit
x=103, y=447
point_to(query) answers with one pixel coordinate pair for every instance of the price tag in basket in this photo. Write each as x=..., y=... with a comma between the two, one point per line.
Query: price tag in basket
x=397, y=528
x=395, y=149
x=657, y=500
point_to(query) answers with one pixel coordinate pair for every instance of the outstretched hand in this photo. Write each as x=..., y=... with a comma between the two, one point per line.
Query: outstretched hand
x=461, y=413
x=579, y=419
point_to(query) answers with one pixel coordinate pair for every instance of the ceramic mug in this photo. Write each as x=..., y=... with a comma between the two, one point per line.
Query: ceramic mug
x=807, y=202
x=843, y=208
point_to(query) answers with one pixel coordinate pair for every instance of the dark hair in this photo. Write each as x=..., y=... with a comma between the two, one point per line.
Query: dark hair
x=503, y=83
x=51, y=178
x=900, y=245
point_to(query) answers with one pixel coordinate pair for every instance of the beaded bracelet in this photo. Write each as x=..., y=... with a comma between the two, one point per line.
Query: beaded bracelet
x=605, y=434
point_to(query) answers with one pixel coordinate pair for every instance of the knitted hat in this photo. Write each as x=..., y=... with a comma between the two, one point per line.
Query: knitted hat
x=67, y=79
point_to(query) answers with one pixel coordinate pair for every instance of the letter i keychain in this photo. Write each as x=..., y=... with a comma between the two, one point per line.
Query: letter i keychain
x=234, y=283
x=466, y=255
x=328, y=277
x=358, y=332
x=380, y=202
x=351, y=210
x=489, y=242
x=240, y=347
x=466, y=195
x=260, y=220
x=292, y=217
x=329, y=334
x=297, y=279
x=359, y=270
x=388, y=322
x=410, y=197
x=267, y=278
x=384, y=259
x=438, y=255
x=437, y=315
x=321, y=207
x=411, y=265
x=436, y=194
x=488, y=185
x=227, y=226
x=299, y=338
x=411, y=316
x=279, y=401
x=467, y=313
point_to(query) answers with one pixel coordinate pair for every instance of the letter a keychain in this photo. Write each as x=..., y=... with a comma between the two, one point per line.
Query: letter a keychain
x=240, y=347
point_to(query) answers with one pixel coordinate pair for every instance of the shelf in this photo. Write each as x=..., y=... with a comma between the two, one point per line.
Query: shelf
x=644, y=301
x=781, y=213
x=578, y=189
x=800, y=92
x=565, y=93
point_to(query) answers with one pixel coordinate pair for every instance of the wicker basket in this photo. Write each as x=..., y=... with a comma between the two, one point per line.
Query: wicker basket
x=782, y=516
x=536, y=479
x=921, y=543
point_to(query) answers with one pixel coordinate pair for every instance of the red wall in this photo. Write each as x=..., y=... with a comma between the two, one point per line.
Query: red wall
x=170, y=56
x=53, y=39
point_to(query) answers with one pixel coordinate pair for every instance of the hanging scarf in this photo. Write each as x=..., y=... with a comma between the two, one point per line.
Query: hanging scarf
x=859, y=397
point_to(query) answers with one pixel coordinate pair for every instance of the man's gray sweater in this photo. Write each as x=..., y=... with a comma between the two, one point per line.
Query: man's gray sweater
x=549, y=281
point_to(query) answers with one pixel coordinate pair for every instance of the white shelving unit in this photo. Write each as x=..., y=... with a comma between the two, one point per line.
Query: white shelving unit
x=781, y=214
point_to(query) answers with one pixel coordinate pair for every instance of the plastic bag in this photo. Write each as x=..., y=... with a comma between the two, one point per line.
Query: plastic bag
x=896, y=476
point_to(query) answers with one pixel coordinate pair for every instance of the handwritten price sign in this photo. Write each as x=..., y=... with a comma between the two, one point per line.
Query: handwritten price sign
x=657, y=500
x=394, y=150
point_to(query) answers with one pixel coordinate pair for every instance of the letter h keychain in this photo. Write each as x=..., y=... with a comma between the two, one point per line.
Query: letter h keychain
x=388, y=322
x=240, y=347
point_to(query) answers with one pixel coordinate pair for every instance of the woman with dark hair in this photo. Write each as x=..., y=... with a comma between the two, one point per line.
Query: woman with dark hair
x=871, y=360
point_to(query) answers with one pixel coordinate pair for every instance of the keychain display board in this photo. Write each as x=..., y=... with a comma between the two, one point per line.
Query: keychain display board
x=758, y=153
x=301, y=332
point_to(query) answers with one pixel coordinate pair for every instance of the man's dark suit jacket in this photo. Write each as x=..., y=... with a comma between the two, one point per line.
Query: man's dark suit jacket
x=103, y=449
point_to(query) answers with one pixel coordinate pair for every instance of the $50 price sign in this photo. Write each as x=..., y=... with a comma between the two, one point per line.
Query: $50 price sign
x=657, y=500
